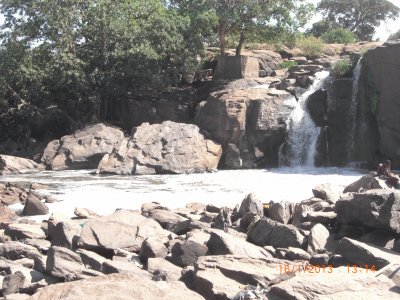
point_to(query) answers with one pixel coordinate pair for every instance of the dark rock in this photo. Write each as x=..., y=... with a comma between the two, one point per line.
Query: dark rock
x=91, y=259
x=319, y=259
x=321, y=217
x=363, y=254
x=378, y=209
x=380, y=238
x=318, y=108
x=337, y=261
x=367, y=182
x=34, y=207
x=66, y=234
x=152, y=248
x=267, y=232
x=296, y=254
x=213, y=209
x=188, y=225
x=185, y=253
x=247, y=219
x=18, y=250
x=224, y=219
x=167, y=219
x=251, y=204
x=281, y=212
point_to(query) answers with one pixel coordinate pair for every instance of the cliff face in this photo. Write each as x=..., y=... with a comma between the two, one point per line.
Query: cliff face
x=378, y=113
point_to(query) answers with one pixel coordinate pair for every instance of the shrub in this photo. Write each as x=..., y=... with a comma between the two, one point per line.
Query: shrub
x=339, y=36
x=287, y=64
x=342, y=68
x=311, y=46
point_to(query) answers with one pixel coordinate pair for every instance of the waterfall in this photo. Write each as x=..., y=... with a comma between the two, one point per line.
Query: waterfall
x=300, y=147
x=353, y=108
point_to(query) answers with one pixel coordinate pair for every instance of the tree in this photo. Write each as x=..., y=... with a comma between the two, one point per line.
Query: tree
x=244, y=17
x=339, y=35
x=359, y=16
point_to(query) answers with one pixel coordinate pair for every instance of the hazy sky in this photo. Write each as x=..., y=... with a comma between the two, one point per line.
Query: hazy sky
x=382, y=33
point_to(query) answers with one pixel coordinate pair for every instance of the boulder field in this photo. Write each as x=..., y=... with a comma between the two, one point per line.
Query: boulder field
x=336, y=245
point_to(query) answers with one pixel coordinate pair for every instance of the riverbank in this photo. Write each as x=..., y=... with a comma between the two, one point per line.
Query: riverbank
x=340, y=243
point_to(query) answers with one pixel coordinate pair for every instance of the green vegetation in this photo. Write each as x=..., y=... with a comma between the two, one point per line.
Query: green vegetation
x=311, y=46
x=339, y=36
x=287, y=64
x=342, y=68
x=358, y=16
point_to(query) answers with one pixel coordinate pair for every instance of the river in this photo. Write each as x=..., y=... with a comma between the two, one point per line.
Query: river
x=104, y=194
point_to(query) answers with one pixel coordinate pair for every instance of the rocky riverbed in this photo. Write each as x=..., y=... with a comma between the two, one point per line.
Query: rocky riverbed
x=339, y=244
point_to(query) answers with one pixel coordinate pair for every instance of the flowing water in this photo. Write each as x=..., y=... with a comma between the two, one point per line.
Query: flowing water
x=300, y=147
x=104, y=194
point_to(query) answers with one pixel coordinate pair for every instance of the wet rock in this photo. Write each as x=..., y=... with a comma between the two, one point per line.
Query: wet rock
x=363, y=254
x=84, y=149
x=251, y=204
x=105, y=287
x=379, y=209
x=328, y=192
x=19, y=231
x=34, y=207
x=221, y=243
x=318, y=238
x=11, y=165
x=267, y=232
x=163, y=148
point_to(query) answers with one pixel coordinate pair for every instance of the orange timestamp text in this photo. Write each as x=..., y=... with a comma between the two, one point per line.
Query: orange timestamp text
x=321, y=269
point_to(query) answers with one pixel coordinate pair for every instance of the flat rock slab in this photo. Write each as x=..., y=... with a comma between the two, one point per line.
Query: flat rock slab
x=25, y=231
x=117, y=286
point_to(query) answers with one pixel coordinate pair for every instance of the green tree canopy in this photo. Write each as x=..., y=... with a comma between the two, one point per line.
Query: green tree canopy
x=359, y=16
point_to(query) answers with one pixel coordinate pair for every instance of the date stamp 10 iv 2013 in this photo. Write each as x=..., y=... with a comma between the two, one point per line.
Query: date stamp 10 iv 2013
x=324, y=269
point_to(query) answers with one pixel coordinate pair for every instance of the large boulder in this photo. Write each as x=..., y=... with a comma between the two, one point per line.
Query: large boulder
x=123, y=229
x=366, y=182
x=11, y=165
x=163, y=148
x=83, y=149
x=34, y=207
x=64, y=263
x=117, y=286
x=362, y=254
x=236, y=67
x=328, y=192
x=249, y=122
x=270, y=233
x=251, y=204
x=374, y=208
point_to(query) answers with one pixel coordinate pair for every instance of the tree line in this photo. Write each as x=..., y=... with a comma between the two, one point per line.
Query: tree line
x=82, y=54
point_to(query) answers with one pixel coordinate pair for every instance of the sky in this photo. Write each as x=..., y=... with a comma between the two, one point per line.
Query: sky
x=382, y=32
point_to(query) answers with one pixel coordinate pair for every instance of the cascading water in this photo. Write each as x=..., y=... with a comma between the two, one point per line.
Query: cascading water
x=353, y=109
x=300, y=147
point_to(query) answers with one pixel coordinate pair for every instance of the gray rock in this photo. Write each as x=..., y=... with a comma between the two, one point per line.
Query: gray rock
x=380, y=238
x=163, y=148
x=152, y=248
x=320, y=217
x=84, y=149
x=34, y=207
x=21, y=231
x=111, y=267
x=11, y=165
x=166, y=218
x=319, y=259
x=185, y=253
x=127, y=285
x=281, y=212
x=367, y=182
x=66, y=234
x=224, y=219
x=63, y=263
x=296, y=254
x=379, y=209
x=221, y=243
x=363, y=254
x=318, y=238
x=267, y=232
x=13, y=283
x=328, y=192
x=251, y=204
x=42, y=245
x=159, y=265
x=91, y=259
x=18, y=250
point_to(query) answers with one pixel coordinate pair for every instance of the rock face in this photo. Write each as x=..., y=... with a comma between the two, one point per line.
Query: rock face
x=374, y=208
x=236, y=67
x=367, y=182
x=249, y=122
x=84, y=149
x=10, y=165
x=378, y=93
x=163, y=148
x=117, y=286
